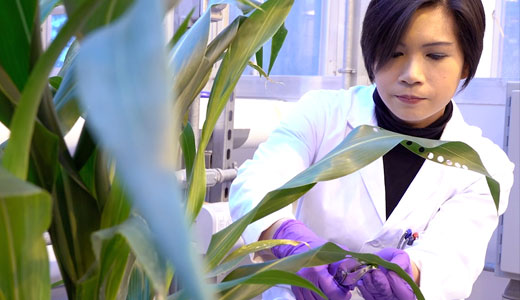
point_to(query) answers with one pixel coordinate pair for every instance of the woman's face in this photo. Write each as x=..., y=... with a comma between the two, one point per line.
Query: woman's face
x=423, y=75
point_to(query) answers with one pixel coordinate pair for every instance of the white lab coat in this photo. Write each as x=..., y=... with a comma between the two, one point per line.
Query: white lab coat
x=451, y=208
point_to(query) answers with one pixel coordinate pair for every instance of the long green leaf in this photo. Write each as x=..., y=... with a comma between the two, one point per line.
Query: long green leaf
x=361, y=147
x=75, y=218
x=66, y=100
x=16, y=157
x=186, y=56
x=117, y=208
x=258, y=246
x=237, y=256
x=252, y=34
x=181, y=30
x=248, y=5
x=104, y=14
x=16, y=26
x=84, y=148
x=25, y=214
x=86, y=289
x=138, y=236
x=326, y=254
x=276, y=45
x=189, y=58
x=139, y=286
x=260, y=58
x=45, y=153
x=8, y=88
x=113, y=253
x=213, y=53
x=115, y=267
x=188, y=148
x=6, y=110
x=267, y=277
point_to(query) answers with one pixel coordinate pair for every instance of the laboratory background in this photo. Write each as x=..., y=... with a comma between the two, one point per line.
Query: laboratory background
x=322, y=51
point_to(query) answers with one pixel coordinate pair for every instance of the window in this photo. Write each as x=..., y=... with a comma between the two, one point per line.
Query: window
x=50, y=29
x=511, y=40
x=300, y=53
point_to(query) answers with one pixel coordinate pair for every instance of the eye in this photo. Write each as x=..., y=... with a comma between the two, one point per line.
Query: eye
x=396, y=54
x=436, y=56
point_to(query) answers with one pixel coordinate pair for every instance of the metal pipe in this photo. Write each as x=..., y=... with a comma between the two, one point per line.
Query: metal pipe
x=213, y=176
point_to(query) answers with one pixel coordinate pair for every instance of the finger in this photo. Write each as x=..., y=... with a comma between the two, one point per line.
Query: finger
x=400, y=288
x=381, y=284
x=304, y=294
x=387, y=253
x=364, y=291
x=332, y=289
x=297, y=291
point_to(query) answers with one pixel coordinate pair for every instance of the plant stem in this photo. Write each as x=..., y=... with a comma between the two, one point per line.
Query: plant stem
x=16, y=158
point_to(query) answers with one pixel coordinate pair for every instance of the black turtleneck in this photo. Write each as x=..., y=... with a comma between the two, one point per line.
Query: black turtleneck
x=401, y=165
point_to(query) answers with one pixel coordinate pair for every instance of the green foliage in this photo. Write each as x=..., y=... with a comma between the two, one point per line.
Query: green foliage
x=16, y=26
x=24, y=217
x=252, y=34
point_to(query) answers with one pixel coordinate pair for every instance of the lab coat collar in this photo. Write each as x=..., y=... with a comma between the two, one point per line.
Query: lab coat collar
x=362, y=112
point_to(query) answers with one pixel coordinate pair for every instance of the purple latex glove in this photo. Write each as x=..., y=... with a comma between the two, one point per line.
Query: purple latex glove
x=381, y=284
x=320, y=276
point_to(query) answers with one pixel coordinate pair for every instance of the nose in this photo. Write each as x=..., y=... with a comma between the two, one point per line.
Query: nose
x=412, y=72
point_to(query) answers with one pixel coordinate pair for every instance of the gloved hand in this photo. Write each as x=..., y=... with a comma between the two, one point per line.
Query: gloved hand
x=381, y=284
x=320, y=276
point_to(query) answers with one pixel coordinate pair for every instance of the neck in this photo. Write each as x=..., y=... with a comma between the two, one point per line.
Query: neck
x=431, y=130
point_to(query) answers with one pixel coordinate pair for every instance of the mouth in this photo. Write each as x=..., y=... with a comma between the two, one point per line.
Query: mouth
x=409, y=98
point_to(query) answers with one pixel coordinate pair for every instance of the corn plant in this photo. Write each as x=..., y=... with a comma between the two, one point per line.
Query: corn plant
x=119, y=223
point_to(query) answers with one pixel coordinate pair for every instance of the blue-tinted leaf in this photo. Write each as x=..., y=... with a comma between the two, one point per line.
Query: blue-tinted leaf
x=123, y=85
x=181, y=30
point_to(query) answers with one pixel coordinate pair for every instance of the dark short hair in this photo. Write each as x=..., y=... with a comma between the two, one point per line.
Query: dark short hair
x=386, y=21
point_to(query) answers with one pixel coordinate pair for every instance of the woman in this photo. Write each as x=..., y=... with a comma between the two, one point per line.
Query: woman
x=416, y=52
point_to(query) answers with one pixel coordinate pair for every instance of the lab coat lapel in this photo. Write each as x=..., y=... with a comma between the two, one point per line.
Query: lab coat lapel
x=362, y=113
x=374, y=181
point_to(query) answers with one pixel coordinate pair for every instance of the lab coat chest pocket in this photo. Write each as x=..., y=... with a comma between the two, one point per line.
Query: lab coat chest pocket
x=433, y=186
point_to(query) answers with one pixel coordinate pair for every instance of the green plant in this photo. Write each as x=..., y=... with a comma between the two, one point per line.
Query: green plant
x=114, y=212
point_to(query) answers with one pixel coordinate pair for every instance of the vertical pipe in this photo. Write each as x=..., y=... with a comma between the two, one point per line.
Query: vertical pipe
x=351, y=45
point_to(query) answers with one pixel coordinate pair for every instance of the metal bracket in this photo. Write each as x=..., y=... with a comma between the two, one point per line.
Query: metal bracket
x=221, y=146
x=347, y=71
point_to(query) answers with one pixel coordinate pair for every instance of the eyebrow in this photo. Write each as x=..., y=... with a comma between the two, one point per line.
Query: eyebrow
x=437, y=44
x=432, y=44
